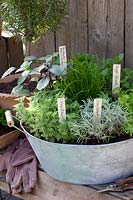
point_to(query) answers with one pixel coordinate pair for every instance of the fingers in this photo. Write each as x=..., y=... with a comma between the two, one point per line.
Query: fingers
x=26, y=179
x=33, y=173
x=17, y=179
x=10, y=174
x=17, y=190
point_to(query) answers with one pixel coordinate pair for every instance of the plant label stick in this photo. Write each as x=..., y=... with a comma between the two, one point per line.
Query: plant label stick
x=63, y=57
x=116, y=76
x=97, y=108
x=61, y=109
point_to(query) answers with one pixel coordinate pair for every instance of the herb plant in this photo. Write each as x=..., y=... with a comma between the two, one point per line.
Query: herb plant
x=41, y=117
x=83, y=78
x=110, y=126
x=2, y=118
x=125, y=99
x=44, y=75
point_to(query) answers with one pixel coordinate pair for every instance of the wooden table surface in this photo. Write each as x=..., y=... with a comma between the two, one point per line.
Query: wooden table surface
x=48, y=188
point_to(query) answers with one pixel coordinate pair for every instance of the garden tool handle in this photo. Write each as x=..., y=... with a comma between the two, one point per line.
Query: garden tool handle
x=9, y=118
x=10, y=122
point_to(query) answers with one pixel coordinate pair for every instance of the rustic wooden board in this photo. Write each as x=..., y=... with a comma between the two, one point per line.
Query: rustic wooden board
x=15, y=51
x=106, y=27
x=73, y=32
x=51, y=189
x=3, y=56
x=129, y=33
x=44, y=46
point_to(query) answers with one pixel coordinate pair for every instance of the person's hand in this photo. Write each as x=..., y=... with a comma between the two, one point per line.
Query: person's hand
x=22, y=172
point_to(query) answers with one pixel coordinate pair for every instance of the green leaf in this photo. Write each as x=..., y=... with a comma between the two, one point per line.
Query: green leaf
x=37, y=69
x=26, y=73
x=49, y=60
x=24, y=66
x=7, y=72
x=21, y=80
x=19, y=90
x=43, y=83
x=55, y=54
x=57, y=70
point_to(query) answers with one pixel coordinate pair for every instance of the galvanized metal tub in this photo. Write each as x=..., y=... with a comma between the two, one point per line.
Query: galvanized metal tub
x=84, y=164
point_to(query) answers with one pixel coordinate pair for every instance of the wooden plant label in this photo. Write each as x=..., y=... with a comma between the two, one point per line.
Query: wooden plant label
x=97, y=108
x=61, y=109
x=63, y=57
x=116, y=76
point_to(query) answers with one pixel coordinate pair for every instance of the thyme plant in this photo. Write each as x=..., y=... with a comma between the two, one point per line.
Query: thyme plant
x=41, y=117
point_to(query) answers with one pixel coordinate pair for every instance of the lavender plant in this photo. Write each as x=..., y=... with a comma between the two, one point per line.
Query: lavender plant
x=88, y=128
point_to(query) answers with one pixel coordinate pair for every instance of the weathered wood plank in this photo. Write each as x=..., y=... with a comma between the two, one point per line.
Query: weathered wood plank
x=73, y=32
x=44, y=46
x=3, y=56
x=106, y=27
x=129, y=33
x=15, y=51
x=51, y=189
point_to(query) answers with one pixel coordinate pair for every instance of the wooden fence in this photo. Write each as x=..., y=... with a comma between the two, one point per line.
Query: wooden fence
x=103, y=27
x=11, y=53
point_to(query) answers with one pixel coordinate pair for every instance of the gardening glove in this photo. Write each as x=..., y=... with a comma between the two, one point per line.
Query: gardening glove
x=7, y=155
x=22, y=173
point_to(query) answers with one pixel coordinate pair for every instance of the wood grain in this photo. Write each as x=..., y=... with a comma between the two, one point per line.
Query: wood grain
x=129, y=33
x=15, y=52
x=73, y=32
x=106, y=27
x=44, y=46
x=51, y=189
x=3, y=56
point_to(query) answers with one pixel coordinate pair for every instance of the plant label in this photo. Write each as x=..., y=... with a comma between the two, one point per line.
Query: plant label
x=97, y=108
x=116, y=76
x=63, y=58
x=61, y=109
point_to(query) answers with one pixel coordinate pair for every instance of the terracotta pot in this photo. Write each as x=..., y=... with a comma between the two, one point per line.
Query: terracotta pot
x=8, y=138
x=7, y=101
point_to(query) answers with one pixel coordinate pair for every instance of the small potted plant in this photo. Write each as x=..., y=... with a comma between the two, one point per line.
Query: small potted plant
x=30, y=79
x=81, y=148
x=28, y=20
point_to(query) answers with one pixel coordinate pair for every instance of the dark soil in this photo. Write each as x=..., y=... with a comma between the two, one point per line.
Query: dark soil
x=7, y=87
x=5, y=130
